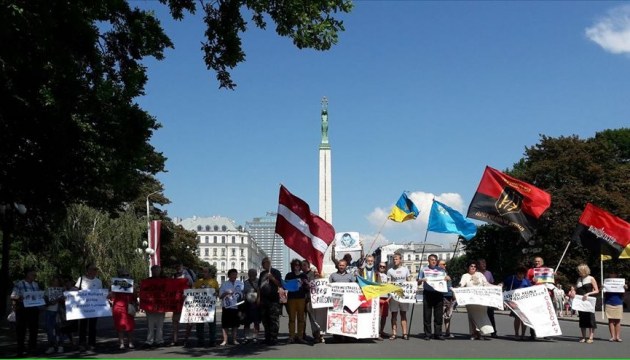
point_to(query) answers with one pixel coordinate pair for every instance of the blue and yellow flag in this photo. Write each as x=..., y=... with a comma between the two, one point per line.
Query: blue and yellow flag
x=372, y=290
x=443, y=219
x=404, y=210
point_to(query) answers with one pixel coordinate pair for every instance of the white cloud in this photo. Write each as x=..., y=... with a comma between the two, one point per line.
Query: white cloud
x=413, y=230
x=612, y=32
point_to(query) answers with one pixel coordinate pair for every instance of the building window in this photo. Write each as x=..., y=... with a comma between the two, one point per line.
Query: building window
x=215, y=239
x=233, y=252
x=417, y=268
x=198, y=238
x=207, y=239
x=234, y=239
x=224, y=228
x=223, y=239
x=242, y=252
x=222, y=252
x=222, y=279
x=199, y=228
x=408, y=256
x=417, y=257
x=214, y=252
x=242, y=266
x=222, y=265
x=233, y=265
x=207, y=227
x=207, y=252
x=216, y=228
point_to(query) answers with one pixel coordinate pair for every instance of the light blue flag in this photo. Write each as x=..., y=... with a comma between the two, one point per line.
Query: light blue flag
x=291, y=285
x=443, y=219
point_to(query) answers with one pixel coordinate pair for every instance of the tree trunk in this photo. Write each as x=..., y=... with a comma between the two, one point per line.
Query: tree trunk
x=5, y=283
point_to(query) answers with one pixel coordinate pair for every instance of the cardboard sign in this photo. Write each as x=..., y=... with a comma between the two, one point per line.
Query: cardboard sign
x=615, y=285
x=410, y=288
x=320, y=294
x=580, y=305
x=122, y=285
x=362, y=323
x=33, y=298
x=491, y=296
x=84, y=304
x=534, y=307
x=199, y=306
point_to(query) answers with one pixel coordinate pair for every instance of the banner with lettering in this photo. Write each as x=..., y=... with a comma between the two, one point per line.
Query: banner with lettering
x=351, y=314
x=491, y=296
x=320, y=294
x=615, y=285
x=534, y=307
x=410, y=288
x=122, y=285
x=84, y=304
x=199, y=306
x=543, y=275
x=578, y=304
x=435, y=279
x=162, y=295
x=33, y=298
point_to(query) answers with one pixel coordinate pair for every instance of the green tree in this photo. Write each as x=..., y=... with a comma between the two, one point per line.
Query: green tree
x=70, y=130
x=574, y=171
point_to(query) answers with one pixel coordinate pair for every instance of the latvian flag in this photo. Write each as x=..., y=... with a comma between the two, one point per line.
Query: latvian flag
x=505, y=201
x=154, y=241
x=599, y=230
x=303, y=232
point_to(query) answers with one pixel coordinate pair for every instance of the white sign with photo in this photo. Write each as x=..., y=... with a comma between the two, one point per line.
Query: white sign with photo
x=491, y=296
x=615, y=285
x=534, y=307
x=362, y=323
x=33, y=298
x=347, y=241
x=84, y=304
x=122, y=285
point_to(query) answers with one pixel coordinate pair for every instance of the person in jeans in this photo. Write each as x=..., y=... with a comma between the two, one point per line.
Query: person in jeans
x=87, y=327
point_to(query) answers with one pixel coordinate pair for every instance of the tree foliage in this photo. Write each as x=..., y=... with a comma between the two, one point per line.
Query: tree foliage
x=575, y=172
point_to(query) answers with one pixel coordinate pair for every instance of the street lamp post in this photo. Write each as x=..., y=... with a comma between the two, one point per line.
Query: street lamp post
x=150, y=251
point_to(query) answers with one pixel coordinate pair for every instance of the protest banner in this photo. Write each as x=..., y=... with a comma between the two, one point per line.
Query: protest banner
x=491, y=296
x=34, y=298
x=320, y=294
x=578, y=304
x=347, y=242
x=543, y=275
x=122, y=285
x=199, y=306
x=534, y=307
x=362, y=323
x=615, y=285
x=435, y=279
x=162, y=295
x=54, y=293
x=84, y=304
x=410, y=288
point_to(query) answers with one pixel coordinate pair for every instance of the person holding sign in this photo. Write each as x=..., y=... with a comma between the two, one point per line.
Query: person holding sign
x=207, y=280
x=514, y=282
x=124, y=322
x=383, y=300
x=231, y=295
x=252, y=311
x=26, y=316
x=87, y=327
x=297, y=302
x=586, y=285
x=477, y=314
x=449, y=304
x=155, y=319
x=613, y=301
x=433, y=301
x=53, y=296
x=397, y=275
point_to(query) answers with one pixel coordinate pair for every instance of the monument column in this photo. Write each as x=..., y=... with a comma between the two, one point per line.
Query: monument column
x=325, y=181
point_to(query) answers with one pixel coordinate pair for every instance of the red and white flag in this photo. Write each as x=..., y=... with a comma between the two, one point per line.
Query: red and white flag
x=303, y=232
x=154, y=241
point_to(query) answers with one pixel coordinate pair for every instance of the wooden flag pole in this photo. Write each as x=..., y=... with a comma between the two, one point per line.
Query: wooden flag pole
x=376, y=237
x=601, y=284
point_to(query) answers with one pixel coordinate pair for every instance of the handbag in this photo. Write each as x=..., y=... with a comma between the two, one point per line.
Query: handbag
x=131, y=309
x=11, y=317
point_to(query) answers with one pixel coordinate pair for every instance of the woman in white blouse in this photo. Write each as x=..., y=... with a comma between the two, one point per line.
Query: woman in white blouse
x=231, y=295
x=478, y=321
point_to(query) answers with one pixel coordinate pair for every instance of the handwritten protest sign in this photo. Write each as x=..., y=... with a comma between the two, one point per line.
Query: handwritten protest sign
x=122, y=285
x=534, y=307
x=614, y=285
x=320, y=294
x=199, y=306
x=34, y=298
x=162, y=295
x=491, y=296
x=362, y=323
x=543, y=275
x=84, y=304
x=580, y=305
x=410, y=288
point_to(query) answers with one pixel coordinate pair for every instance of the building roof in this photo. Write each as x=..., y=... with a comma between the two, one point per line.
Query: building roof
x=223, y=223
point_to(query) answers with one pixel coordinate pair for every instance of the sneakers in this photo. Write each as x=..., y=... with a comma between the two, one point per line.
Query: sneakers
x=51, y=350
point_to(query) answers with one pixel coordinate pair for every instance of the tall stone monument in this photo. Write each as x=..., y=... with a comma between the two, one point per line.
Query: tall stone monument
x=325, y=182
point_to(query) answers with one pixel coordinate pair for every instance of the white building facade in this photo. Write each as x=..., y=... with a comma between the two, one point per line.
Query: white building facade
x=225, y=245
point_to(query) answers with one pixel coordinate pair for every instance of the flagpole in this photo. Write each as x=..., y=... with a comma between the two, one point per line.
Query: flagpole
x=601, y=284
x=376, y=237
x=456, y=244
x=562, y=257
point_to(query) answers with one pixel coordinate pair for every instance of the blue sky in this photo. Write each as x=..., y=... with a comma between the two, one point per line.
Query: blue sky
x=422, y=96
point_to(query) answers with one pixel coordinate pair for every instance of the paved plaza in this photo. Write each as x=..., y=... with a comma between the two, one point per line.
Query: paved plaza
x=505, y=346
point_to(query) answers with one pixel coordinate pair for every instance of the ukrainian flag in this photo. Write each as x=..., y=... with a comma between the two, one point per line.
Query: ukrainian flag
x=372, y=290
x=404, y=210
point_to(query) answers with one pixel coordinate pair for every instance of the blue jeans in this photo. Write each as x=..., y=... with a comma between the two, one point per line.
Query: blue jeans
x=51, y=327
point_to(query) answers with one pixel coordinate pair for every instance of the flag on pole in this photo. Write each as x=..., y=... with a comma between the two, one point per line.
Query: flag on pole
x=303, y=232
x=505, y=201
x=372, y=290
x=404, y=210
x=154, y=241
x=444, y=219
x=599, y=230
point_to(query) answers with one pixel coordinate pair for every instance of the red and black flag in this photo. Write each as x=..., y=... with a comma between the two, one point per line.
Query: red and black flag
x=505, y=201
x=598, y=229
